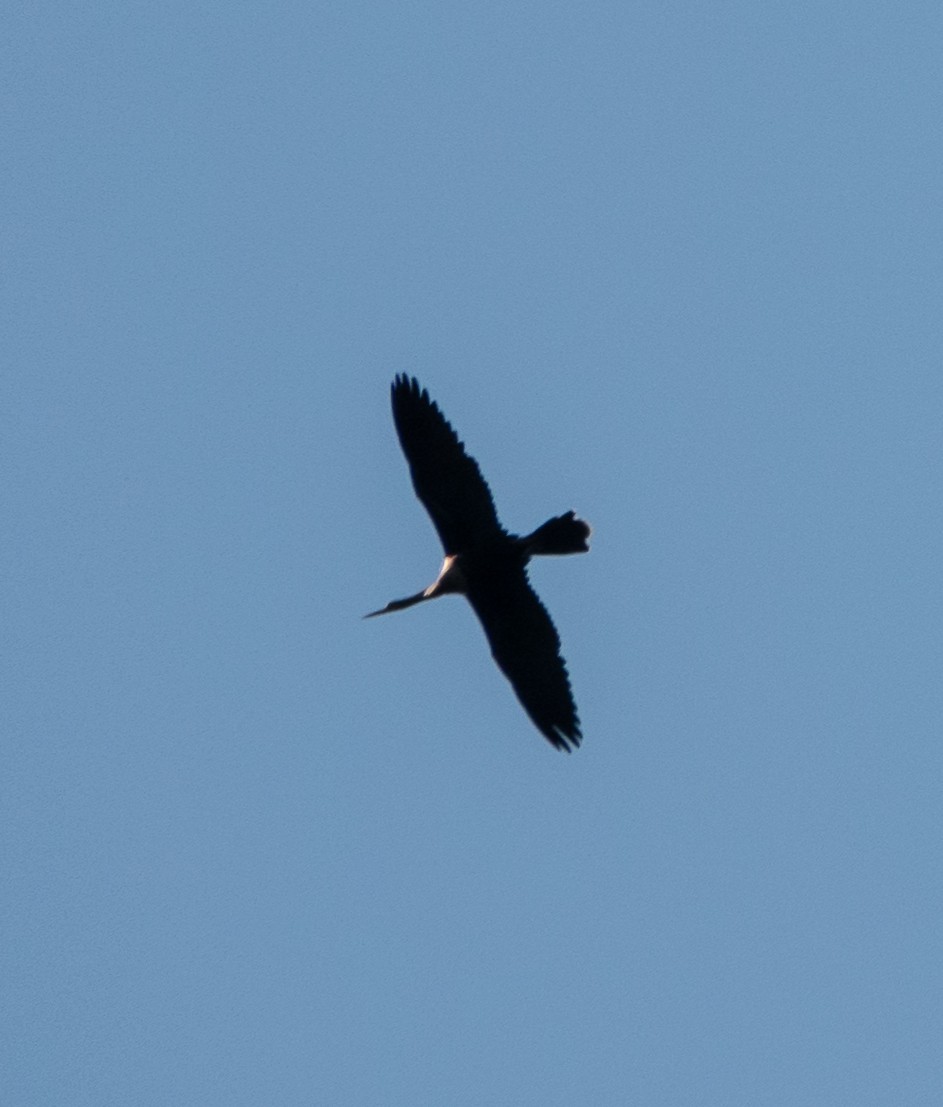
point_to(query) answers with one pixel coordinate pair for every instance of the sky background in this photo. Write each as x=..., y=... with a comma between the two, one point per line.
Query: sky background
x=677, y=266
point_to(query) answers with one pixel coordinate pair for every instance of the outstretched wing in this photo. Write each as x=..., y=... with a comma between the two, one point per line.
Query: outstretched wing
x=448, y=482
x=526, y=646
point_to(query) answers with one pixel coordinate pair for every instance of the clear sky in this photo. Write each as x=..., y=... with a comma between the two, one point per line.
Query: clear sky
x=678, y=266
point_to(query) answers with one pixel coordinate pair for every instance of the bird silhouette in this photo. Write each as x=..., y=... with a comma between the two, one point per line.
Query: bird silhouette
x=487, y=564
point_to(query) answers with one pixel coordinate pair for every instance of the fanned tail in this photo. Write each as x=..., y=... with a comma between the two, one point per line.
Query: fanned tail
x=564, y=534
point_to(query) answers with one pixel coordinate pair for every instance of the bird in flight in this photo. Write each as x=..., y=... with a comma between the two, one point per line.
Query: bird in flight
x=487, y=565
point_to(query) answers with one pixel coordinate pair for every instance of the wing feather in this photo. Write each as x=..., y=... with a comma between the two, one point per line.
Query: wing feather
x=447, y=481
x=526, y=647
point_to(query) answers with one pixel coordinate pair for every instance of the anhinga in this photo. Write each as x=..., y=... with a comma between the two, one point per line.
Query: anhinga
x=487, y=564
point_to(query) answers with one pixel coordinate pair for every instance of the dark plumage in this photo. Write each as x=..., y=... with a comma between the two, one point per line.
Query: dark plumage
x=487, y=564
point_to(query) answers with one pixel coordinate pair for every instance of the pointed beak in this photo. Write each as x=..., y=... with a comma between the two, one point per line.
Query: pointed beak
x=398, y=605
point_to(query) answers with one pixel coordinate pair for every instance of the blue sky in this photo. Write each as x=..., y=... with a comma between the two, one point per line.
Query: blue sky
x=676, y=266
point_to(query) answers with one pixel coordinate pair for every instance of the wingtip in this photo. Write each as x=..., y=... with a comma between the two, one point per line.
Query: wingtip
x=403, y=382
x=565, y=742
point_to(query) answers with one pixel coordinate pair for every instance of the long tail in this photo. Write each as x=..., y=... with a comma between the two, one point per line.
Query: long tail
x=564, y=534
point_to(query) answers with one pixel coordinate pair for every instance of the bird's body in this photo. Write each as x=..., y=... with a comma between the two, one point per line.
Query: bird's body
x=487, y=564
